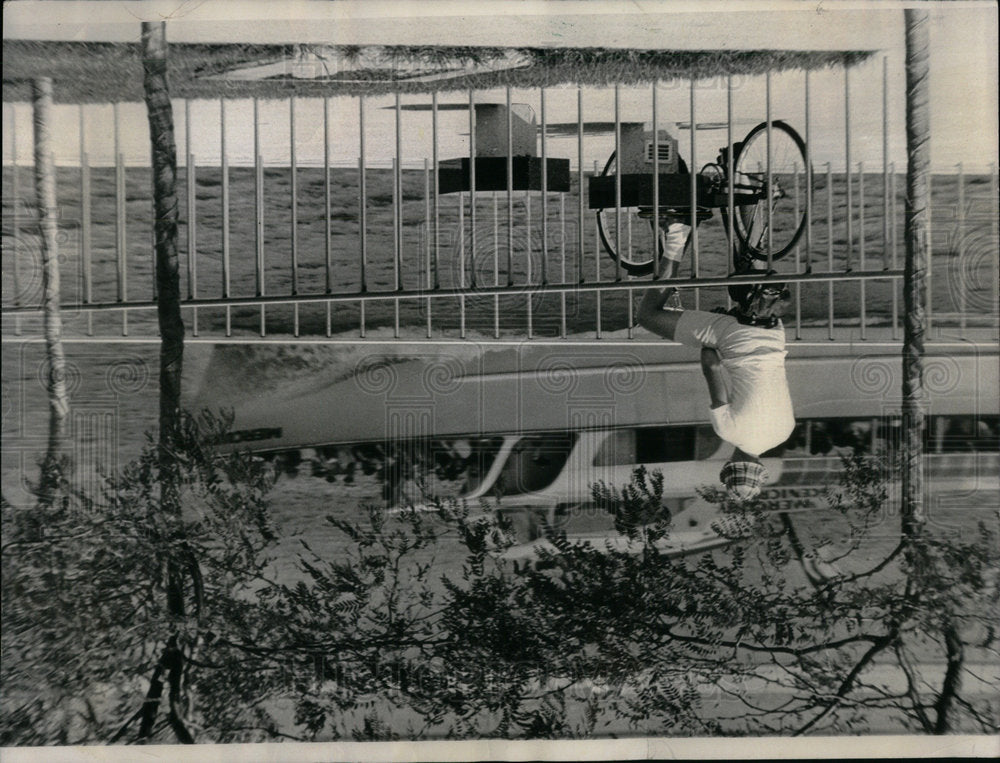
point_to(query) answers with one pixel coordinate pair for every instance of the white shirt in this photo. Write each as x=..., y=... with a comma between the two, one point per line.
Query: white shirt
x=759, y=414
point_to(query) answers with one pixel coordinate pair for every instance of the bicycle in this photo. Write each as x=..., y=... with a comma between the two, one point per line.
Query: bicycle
x=759, y=232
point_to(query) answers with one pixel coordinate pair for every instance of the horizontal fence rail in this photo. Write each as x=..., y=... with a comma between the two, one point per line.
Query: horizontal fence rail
x=481, y=219
x=465, y=292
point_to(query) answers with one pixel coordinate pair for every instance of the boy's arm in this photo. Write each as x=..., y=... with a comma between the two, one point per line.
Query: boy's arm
x=711, y=367
x=653, y=317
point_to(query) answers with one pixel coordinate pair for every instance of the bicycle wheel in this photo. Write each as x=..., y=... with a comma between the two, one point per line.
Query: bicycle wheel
x=776, y=220
x=636, y=229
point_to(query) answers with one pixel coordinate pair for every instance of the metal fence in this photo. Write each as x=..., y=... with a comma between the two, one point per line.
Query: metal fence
x=374, y=250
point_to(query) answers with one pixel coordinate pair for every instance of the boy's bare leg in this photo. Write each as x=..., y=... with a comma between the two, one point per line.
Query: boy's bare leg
x=669, y=268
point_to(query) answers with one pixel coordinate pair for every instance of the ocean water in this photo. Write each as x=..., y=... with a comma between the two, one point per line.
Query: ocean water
x=963, y=237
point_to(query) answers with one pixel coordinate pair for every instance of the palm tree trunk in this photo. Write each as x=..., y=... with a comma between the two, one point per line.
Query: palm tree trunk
x=164, y=156
x=915, y=268
x=45, y=195
x=168, y=308
x=168, y=289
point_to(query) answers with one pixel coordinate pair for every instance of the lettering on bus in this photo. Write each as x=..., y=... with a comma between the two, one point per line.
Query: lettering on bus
x=792, y=498
x=250, y=435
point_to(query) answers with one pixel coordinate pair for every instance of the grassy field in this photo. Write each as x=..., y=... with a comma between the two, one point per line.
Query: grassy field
x=959, y=280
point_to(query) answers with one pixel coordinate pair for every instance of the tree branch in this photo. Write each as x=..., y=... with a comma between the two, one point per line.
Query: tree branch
x=775, y=649
x=952, y=678
x=848, y=682
x=151, y=703
x=911, y=689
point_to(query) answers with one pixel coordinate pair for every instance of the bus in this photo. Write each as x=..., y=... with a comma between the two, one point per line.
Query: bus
x=533, y=445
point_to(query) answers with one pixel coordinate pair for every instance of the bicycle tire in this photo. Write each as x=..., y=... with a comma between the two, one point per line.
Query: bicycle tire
x=635, y=266
x=779, y=234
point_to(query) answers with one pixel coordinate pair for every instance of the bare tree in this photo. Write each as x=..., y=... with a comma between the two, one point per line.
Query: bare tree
x=45, y=194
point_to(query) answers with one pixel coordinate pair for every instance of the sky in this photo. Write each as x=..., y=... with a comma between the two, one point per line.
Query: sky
x=963, y=38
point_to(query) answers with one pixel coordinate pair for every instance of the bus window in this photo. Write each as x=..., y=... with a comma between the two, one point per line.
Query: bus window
x=706, y=442
x=534, y=463
x=617, y=449
x=962, y=434
x=841, y=436
x=796, y=446
x=478, y=462
x=659, y=445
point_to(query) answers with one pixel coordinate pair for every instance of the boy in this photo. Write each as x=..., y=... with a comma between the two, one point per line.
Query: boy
x=753, y=411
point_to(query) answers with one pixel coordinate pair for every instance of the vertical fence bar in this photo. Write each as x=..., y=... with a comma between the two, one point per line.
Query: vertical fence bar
x=192, y=217
x=618, y=184
x=892, y=245
x=427, y=240
x=396, y=213
x=628, y=239
x=327, y=222
x=436, y=208
x=847, y=166
x=294, y=212
x=398, y=206
x=885, y=165
x=120, y=241
x=798, y=263
x=829, y=247
x=731, y=180
x=362, y=210
x=496, y=266
x=930, y=249
x=434, y=161
x=580, y=178
x=461, y=262
x=693, y=170
x=530, y=251
x=259, y=211
x=656, y=184
x=861, y=245
x=545, y=193
x=562, y=263
x=472, y=214
x=597, y=278
x=510, y=193
x=224, y=160
x=809, y=177
x=16, y=221
x=85, y=225
x=770, y=180
x=995, y=188
x=472, y=189
x=960, y=253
